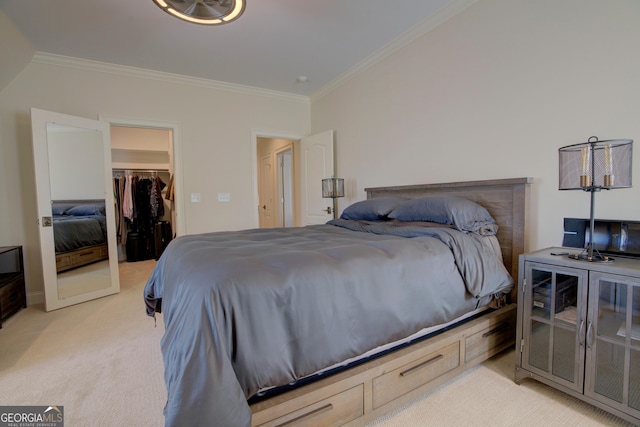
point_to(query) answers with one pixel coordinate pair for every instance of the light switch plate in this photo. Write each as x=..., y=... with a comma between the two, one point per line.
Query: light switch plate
x=195, y=197
x=224, y=197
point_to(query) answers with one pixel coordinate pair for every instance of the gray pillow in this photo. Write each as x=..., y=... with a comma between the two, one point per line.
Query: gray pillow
x=58, y=209
x=463, y=214
x=86, y=210
x=372, y=209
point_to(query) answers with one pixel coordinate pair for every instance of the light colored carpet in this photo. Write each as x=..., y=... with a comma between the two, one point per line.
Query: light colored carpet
x=101, y=361
x=488, y=396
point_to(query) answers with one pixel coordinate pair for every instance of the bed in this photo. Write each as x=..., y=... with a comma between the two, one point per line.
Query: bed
x=337, y=324
x=79, y=233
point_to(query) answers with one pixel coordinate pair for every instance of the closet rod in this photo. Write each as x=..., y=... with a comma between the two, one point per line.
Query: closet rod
x=139, y=170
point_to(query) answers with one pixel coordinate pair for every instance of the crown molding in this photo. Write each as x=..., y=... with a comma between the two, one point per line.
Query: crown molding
x=104, y=67
x=443, y=15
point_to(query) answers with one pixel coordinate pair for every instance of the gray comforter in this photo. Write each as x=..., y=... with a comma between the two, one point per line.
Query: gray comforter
x=74, y=232
x=252, y=309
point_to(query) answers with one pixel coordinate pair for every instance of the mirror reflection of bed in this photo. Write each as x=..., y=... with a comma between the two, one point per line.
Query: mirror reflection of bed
x=80, y=237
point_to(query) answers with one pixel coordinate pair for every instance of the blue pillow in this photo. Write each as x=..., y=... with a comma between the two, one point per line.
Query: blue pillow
x=463, y=214
x=86, y=210
x=372, y=209
x=58, y=209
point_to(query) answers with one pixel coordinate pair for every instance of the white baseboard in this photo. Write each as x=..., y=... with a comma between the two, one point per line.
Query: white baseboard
x=35, y=298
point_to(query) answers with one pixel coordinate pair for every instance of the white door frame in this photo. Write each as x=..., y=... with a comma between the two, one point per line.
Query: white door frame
x=180, y=227
x=255, y=134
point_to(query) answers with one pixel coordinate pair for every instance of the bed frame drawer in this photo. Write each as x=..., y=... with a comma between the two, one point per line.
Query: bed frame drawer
x=86, y=256
x=336, y=410
x=400, y=381
x=63, y=262
x=426, y=365
x=79, y=257
x=499, y=334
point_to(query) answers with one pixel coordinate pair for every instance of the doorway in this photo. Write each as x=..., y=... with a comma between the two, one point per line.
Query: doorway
x=276, y=182
x=158, y=160
x=312, y=160
x=142, y=174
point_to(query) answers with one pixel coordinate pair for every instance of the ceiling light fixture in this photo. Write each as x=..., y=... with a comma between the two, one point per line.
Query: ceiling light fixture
x=206, y=12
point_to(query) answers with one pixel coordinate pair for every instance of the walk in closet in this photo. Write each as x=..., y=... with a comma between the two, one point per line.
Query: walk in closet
x=142, y=165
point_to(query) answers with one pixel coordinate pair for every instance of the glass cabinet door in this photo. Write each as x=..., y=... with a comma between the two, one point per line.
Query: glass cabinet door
x=613, y=341
x=555, y=323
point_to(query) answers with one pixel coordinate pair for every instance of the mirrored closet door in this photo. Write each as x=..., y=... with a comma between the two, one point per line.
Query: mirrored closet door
x=76, y=216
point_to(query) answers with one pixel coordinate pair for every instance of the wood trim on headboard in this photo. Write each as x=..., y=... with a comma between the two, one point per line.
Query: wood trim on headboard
x=507, y=200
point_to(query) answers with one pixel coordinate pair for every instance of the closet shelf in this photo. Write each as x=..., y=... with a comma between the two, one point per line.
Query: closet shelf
x=140, y=159
x=141, y=151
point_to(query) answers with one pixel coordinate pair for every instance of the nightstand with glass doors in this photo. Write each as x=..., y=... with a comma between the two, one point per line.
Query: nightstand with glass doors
x=578, y=328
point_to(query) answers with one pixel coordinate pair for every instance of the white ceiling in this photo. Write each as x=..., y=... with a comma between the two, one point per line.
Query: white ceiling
x=268, y=47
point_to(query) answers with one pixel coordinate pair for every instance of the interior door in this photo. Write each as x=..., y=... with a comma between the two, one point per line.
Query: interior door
x=72, y=158
x=266, y=191
x=284, y=186
x=317, y=162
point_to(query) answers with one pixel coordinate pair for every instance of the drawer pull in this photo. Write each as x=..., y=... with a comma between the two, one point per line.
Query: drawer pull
x=321, y=409
x=421, y=365
x=496, y=330
x=14, y=297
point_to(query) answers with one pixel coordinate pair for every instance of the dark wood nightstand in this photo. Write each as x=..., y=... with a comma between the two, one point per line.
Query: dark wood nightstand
x=13, y=295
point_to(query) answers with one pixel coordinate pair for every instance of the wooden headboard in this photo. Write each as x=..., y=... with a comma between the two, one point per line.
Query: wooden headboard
x=506, y=200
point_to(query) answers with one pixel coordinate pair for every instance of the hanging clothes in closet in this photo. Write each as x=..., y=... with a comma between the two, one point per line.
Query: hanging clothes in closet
x=139, y=212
